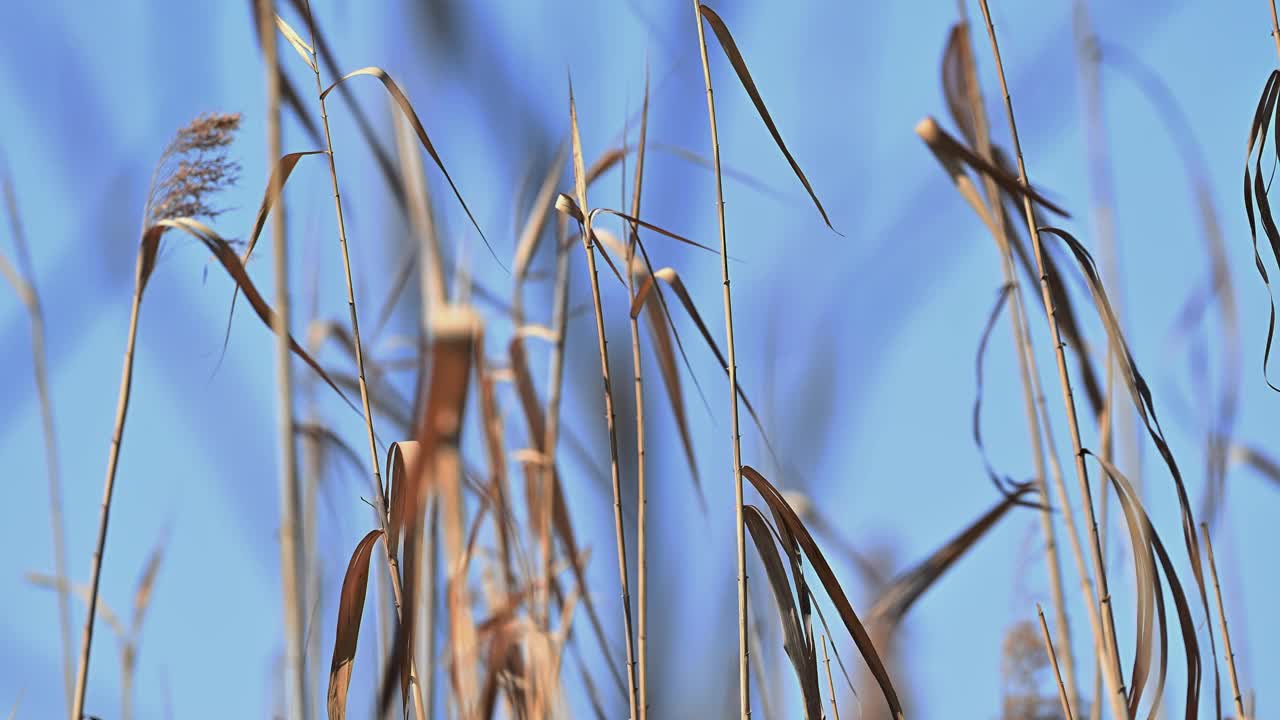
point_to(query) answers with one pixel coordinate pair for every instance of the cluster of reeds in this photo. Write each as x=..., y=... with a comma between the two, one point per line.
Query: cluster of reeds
x=511, y=618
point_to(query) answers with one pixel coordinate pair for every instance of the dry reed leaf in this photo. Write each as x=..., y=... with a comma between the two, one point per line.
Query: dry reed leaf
x=663, y=332
x=288, y=93
x=221, y=250
x=1187, y=624
x=326, y=435
x=945, y=146
x=957, y=60
x=788, y=518
x=279, y=176
x=412, y=116
x=903, y=591
x=437, y=470
x=562, y=522
x=531, y=232
x=793, y=633
x=304, y=50
x=1257, y=191
x=1140, y=393
x=735, y=58
x=400, y=457
x=1002, y=484
x=655, y=228
x=350, y=612
x=1255, y=458
x=1221, y=285
x=672, y=279
x=146, y=582
x=104, y=611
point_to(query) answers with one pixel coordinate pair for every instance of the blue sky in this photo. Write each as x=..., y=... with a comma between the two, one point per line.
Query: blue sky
x=872, y=335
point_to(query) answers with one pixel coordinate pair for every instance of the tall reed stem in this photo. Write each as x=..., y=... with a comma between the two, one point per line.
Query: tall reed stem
x=588, y=247
x=1027, y=369
x=1109, y=649
x=292, y=543
x=104, y=514
x=744, y=649
x=25, y=285
x=1053, y=660
x=379, y=493
x=1236, y=696
x=642, y=498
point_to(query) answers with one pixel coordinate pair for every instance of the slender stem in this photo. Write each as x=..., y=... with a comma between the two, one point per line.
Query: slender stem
x=1026, y=367
x=551, y=432
x=104, y=516
x=26, y=288
x=588, y=246
x=379, y=493
x=1222, y=623
x=1275, y=27
x=1115, y=680
x=831, y=685
x=291, y=540
x=1053, y=660
x=744, y=649
x=642, y=498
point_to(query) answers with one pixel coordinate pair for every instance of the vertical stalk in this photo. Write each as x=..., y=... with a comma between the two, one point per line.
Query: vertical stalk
x=379, y=493
x=291, y=540
x=1109, y=649
x=1053, y=660
x=642, y=498
x=1027, y=370
x=610, y=416
x=25, y=286
x=1222, y=622
x=744, y=676
x=1275, y=27
x=104, y=513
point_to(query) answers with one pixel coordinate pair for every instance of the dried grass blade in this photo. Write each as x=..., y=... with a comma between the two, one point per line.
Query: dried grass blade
x=350, y=612
x=946, y=146
x=412, y=116
x=221, y=250
x=303, y=49
x=900, y=594
x=838, y=598
x=275, y=186
x=1000, y=483
x=793, y=632
x=1258, y=189
x=735, y=58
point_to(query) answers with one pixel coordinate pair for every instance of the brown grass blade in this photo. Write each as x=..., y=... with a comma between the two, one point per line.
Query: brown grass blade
x=1142, y=402
x=945, y=146
x=438, y=470
x=561, y=520
x=275, y=186
x=1131, y=503
x=739, y=64
x=1000, y=483
x=412, y=116
x=793, y=632
x=857, y=631
x=1257, y=189
x=957, y=59
x=901, y=593
x=303, y=49
x=672, y=279
x=350, y=612
x=227, y=257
